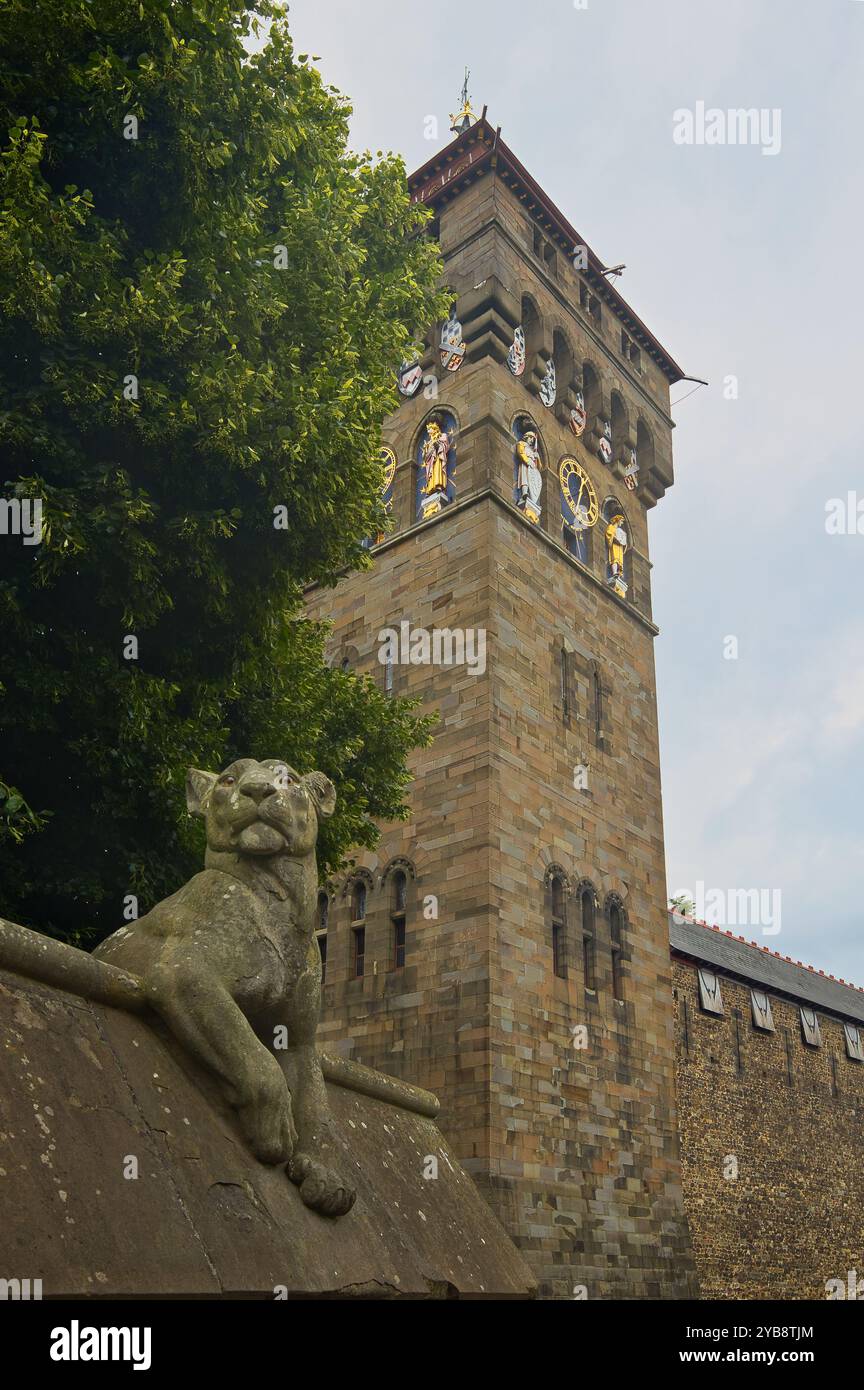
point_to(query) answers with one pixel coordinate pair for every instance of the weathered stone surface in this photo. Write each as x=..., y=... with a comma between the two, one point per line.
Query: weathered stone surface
x=230, y=963
x=576, y=1148
x=85, y=1089
x=770, y=1143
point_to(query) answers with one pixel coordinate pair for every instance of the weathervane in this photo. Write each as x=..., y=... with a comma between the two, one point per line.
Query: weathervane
x=465, y=116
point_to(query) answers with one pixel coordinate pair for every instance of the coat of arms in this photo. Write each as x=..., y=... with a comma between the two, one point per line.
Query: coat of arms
x=516, y=355
x=549, y=385
x=452, y=346
x=631, y=472
x=604, y=448
x=409, y=377
x=578, y=415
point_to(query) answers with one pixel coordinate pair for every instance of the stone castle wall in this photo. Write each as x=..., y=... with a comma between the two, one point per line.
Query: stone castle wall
x=786, y=1120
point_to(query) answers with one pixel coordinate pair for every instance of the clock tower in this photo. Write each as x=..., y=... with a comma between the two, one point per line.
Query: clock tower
x=507, y=947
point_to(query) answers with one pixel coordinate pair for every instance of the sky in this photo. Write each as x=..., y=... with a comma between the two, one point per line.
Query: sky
x=746, y=266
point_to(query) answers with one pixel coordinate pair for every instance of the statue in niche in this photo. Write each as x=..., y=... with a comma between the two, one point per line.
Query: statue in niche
x=529, y=475
x=231, y=962
x=435, y=455
x=616, y=548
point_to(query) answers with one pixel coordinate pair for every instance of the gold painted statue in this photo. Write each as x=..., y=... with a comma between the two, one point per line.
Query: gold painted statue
x=529, y=477
x=616, y=543
x=616, y=547
x=436, y=448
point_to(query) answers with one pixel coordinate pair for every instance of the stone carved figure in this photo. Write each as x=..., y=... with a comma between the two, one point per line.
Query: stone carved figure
x=529, y=475
x=616, y=548
x=231, y=963
x=435, y=454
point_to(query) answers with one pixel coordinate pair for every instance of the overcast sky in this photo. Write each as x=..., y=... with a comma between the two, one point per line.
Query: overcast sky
x=743, y=264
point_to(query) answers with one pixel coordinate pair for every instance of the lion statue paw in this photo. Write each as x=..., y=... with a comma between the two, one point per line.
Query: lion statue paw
x=320, y=1188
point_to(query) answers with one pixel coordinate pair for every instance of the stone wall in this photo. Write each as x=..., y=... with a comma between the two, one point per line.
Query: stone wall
x=786, y=1120
x=585, y=1136
x=123, y=1174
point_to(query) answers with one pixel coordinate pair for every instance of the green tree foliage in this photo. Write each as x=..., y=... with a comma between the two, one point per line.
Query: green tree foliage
x=682, y=904
x=203, y=300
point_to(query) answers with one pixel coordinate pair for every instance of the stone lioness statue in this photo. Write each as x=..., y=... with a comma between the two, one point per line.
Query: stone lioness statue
x=232, y=965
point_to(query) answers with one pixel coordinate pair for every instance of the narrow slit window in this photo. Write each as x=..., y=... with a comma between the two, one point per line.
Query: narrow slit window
x=358, y=901
x=398, y=913
x=588, y=969
x=359, y=951
x=559, y=929
x=616, y=932
x=598, y=705
x=321, y=931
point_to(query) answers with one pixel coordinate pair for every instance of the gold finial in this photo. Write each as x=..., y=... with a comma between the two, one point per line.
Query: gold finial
x=465, y=116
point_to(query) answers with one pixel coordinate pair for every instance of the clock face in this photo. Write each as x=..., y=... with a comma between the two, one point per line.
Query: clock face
x=578, y=494
x=388, y=464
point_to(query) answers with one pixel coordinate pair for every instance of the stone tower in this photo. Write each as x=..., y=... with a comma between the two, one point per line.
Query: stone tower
x=507, y=947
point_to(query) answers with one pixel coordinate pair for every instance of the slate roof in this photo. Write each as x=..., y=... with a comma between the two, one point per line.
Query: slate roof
x=766, y=968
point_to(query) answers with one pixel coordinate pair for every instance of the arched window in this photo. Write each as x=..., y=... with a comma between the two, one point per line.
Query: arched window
x=321, y=930
x=564, y=664
x=619, y=426
x=358, y=927
x=435, y=464
x=644, y=449
x=358, y=900
x=558, y=913
x=398, y=912
x=590, y=301
x=528, y=467
x=617, y=543
x=563, y=362
x=349, y=659
x=531, y=329
x=593, y=395
x=586, y=904
x=597, y=703
x=616, y=937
